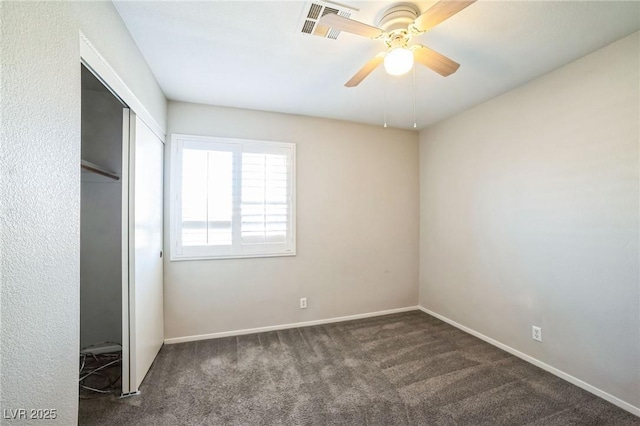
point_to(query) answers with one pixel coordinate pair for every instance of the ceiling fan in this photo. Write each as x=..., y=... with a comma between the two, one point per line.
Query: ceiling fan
x=397, y=25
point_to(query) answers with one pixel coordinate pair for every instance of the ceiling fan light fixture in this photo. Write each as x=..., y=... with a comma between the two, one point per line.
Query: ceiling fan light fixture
x=398, y=61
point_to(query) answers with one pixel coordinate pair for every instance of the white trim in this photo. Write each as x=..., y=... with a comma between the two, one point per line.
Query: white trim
x=195, y=338
x=98, y=65
x=565, y=376
x=131, y=254
x=190, y=257
x=126, y=222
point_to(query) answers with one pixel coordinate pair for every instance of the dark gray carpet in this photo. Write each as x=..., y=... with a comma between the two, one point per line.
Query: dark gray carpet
x=408, y=368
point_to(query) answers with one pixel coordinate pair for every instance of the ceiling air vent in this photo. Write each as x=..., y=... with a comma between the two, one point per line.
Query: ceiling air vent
x=315, y=11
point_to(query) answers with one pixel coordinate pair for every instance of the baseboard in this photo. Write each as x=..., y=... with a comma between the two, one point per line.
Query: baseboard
x=565, y=376
x=285, y=326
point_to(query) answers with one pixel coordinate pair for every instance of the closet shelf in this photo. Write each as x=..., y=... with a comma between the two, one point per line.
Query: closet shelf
x=87, y=165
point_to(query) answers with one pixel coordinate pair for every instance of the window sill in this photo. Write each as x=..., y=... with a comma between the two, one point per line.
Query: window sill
x=181, y=258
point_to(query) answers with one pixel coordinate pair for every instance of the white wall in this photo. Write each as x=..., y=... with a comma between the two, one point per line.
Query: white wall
x=40, y=191
x=357, y=228
x=529, y=215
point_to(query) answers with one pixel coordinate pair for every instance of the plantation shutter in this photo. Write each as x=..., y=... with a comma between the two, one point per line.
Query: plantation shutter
x=265, y=213
x=233, y=199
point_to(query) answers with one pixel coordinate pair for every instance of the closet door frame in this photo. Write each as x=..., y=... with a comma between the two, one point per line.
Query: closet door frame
x=99, y=66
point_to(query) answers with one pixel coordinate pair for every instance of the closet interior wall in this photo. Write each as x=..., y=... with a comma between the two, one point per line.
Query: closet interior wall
x=101, y=217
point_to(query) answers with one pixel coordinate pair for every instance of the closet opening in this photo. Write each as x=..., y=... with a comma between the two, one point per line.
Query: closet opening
x=121, y=244
x=103, y=240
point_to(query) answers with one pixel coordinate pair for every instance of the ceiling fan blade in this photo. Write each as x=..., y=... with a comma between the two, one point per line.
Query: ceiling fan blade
x=341, y=23
x=439, y=12
x=366, y=70
x=434, y=60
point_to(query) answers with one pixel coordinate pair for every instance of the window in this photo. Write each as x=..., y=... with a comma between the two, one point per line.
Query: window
x=231, y=198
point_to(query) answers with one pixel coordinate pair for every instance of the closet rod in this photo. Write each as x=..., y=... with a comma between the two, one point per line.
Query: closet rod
x=87, y=165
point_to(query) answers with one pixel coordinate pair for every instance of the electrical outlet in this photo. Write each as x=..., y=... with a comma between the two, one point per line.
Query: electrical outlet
x=303, y=303
x=536, y=333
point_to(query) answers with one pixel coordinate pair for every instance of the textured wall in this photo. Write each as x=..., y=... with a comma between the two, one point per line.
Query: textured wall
x=357, y=228
x=529, y=216
x=40, y=173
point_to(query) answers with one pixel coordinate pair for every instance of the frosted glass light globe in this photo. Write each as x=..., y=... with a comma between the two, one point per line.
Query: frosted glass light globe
x=399, y=61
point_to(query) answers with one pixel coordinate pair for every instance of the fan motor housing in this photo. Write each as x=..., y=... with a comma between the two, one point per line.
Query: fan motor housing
x=397, y=16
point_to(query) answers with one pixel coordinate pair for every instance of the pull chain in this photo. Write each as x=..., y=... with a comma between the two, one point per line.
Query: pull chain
x=385, y=100
x=415, y=124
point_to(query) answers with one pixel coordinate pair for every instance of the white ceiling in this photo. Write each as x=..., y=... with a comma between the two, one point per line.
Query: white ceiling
x=250, y=55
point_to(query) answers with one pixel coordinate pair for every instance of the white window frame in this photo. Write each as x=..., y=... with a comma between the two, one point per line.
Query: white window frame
x=236, y=250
